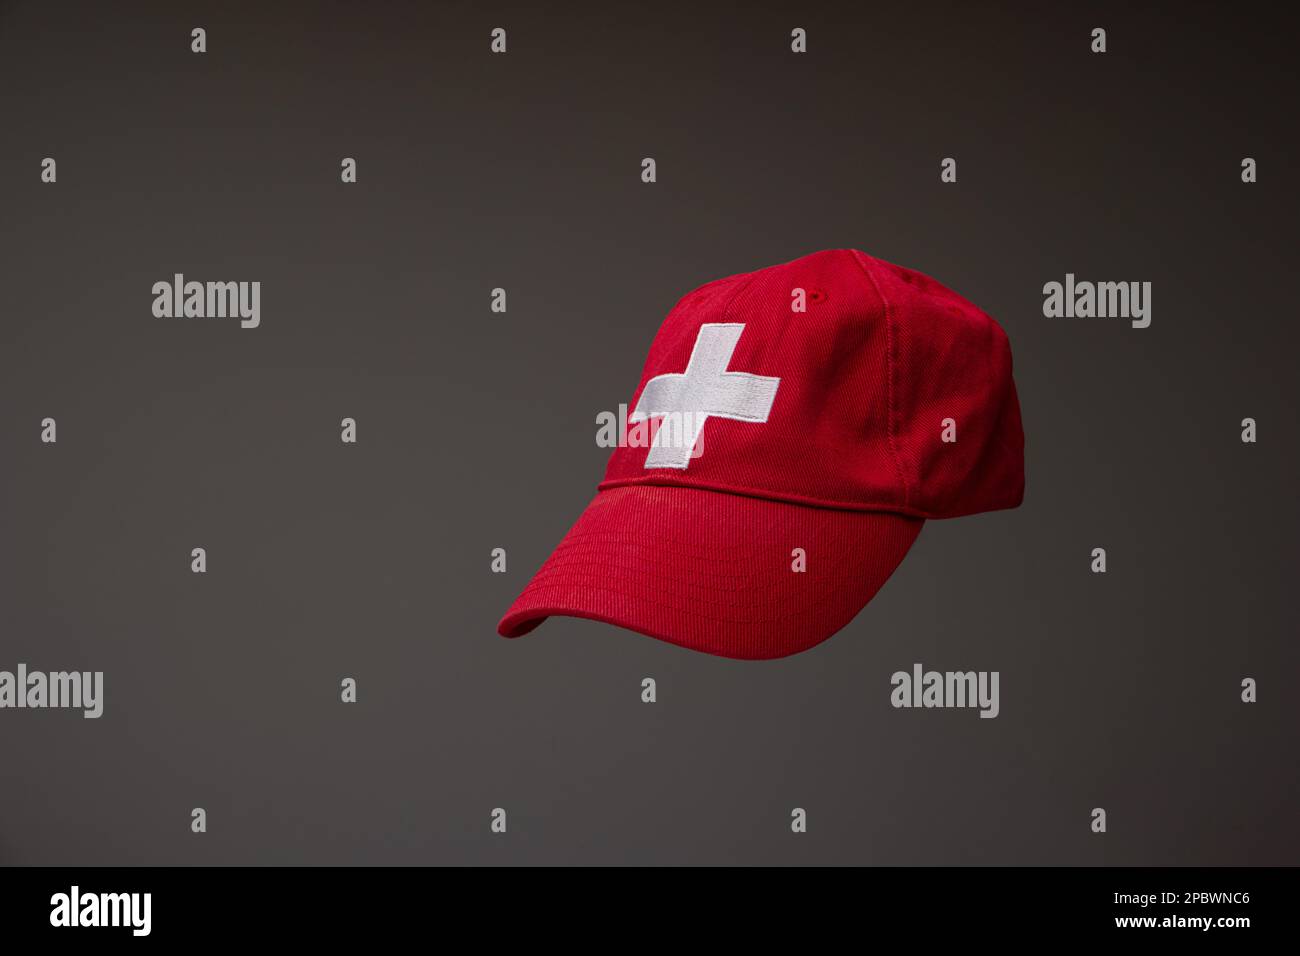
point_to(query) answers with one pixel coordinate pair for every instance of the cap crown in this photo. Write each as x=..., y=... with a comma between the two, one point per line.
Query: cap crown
x=842, y=405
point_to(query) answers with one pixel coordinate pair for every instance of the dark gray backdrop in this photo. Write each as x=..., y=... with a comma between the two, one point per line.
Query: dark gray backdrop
x=477, y=430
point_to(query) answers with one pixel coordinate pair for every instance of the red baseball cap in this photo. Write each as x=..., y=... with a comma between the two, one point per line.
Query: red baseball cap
x=804, y=421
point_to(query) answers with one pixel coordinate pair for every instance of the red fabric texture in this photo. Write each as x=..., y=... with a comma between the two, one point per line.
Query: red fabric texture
x=712, y=571
x=851, y=454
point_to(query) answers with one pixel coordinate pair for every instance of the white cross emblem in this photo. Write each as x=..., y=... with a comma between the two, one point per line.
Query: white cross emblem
x=705, y=388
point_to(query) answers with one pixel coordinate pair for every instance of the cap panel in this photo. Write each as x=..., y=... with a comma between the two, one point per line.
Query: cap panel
x=959, y=433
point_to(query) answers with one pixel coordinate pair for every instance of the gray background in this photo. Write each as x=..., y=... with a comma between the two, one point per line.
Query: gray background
x=477, y=430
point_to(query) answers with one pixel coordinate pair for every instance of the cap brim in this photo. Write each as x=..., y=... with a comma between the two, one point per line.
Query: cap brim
x=715, y=572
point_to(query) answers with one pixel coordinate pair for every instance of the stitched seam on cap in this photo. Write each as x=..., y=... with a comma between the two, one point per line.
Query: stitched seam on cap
x=653, y=481
x=726, y=309
x=889, y=378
